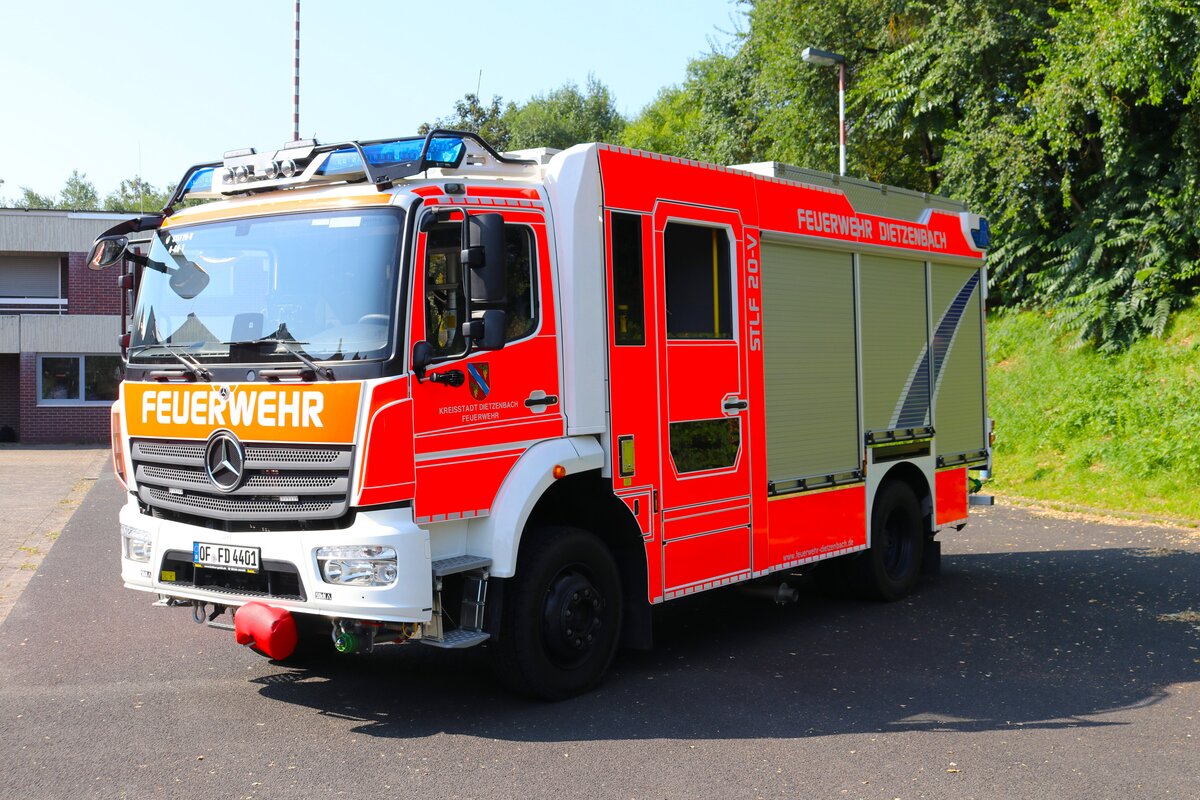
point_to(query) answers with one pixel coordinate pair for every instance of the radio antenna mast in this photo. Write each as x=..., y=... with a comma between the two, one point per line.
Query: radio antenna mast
x=296, y=82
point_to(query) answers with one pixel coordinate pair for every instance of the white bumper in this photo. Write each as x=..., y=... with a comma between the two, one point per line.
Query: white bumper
x=409, y=599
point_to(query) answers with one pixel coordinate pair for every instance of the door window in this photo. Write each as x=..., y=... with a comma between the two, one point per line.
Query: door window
x=699, y=297
x=445, y=302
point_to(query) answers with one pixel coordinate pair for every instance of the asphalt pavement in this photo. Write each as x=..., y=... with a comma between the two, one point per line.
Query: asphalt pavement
x=1054, y=657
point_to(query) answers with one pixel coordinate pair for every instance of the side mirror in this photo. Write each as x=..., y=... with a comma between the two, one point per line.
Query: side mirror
x=495, y=324
x=422, y=357
x=487, y=330
x=106, y=251
x=486, y=257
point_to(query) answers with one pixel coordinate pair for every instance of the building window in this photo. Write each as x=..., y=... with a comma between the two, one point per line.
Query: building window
x=78, y=379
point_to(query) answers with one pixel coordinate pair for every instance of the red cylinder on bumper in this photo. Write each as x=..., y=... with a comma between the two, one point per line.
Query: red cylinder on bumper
x=269, y=630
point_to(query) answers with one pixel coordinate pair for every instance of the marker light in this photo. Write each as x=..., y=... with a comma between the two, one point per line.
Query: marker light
x=358, y=565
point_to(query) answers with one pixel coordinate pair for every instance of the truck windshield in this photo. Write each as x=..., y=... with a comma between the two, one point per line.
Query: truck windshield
x=322, y=283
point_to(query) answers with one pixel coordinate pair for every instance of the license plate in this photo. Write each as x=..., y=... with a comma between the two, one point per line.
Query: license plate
x=223, y=556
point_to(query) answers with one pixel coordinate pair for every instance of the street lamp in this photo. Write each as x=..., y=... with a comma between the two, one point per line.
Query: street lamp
x=826, y=59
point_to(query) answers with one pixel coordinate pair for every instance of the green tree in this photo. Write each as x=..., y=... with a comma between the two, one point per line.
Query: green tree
x=565, y=117
x=1093, y=173
x=489, y=121
x=137, y=194
x=711, y=117
x=31, y=199
x=77, y=194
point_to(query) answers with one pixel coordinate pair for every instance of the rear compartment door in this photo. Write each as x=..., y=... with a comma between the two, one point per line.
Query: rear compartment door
x=704, y=403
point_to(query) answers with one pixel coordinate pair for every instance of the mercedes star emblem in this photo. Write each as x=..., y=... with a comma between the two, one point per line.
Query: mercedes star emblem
x=225, y=460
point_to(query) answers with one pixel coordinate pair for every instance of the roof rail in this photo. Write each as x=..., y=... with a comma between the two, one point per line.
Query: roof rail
x=377, y=161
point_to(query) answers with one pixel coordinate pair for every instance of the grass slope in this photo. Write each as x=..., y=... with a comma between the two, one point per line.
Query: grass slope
x=1114, y=432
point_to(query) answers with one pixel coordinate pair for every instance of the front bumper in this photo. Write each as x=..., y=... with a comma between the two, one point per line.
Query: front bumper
x=409, y=599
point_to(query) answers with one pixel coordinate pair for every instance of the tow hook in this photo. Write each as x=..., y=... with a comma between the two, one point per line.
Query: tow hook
x=201, y=615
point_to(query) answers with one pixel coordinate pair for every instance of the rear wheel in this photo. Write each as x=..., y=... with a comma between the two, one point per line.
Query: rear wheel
x=561, y=622
x=891, y=566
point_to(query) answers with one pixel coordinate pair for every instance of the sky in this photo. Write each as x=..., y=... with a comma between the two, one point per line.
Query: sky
x=120, y=88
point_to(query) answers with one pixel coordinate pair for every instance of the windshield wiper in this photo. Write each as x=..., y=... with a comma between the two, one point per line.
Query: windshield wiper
x=292, y=346
x=191, y=365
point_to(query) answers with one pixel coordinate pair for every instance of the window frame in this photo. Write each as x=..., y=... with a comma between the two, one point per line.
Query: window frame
x=616, y=283
x=535, y=297
x=731, y=273
x=79, y=401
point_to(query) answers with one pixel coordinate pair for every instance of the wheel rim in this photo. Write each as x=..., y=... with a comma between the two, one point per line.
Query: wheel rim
x=572, y=617
x=897, y=544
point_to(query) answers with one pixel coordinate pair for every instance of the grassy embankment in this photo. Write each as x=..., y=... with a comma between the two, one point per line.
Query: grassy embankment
x=1077, y=428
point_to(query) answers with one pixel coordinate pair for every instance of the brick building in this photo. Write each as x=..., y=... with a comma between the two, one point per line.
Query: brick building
x=60, y=362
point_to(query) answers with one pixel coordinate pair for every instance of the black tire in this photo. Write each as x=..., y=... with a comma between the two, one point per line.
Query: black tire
x=562, y=615
x=891, y=567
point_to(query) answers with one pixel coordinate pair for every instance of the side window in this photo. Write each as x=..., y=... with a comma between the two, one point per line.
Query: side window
x=522, y=282
x=445, y=305
x=445, y=302
x=629, y=319
x=699, y=297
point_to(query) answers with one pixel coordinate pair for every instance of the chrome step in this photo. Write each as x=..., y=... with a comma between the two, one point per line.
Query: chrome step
x=981, y=500
x=449, y=566
x=457, y=639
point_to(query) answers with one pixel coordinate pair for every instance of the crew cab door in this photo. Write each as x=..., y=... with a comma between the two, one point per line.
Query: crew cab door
x=477, y=411
x=704, y=404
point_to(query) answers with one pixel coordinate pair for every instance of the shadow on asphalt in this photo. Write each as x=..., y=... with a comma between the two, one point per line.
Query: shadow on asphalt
x=1056, y=639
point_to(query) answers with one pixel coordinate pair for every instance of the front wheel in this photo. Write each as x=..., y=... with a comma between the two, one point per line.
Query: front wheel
x=891, y=566
x=561, y=623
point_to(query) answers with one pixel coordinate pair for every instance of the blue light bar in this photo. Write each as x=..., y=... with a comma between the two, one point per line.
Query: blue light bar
x=443, y=152
x=201, y=181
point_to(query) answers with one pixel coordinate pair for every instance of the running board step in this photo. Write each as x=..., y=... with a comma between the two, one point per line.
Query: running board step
x=449, y=566
x=458, y=639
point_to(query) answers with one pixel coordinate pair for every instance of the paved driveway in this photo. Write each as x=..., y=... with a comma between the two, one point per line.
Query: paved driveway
x=1054, y=658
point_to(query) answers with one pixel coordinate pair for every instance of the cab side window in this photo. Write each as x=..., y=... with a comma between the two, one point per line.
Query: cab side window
x=445, y=302
x=522, y=282
x=445, y=305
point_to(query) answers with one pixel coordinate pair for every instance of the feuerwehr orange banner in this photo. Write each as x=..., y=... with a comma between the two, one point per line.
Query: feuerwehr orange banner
x=323, y=413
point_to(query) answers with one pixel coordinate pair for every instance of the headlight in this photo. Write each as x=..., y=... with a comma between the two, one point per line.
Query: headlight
x=137, y=544
x=358, y=565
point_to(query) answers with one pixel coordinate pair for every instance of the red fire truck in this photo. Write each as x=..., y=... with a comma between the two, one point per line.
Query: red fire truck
x=416, y=390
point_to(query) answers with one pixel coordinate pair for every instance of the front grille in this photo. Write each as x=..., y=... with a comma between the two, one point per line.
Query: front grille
x=282, y=482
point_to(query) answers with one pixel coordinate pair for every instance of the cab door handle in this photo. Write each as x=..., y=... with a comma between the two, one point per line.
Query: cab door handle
x=540, y=401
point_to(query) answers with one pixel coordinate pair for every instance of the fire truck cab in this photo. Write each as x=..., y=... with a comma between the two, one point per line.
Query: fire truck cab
x=416, y=390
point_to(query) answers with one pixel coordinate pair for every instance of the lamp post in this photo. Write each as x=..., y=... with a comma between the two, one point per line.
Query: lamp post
x=826, y=59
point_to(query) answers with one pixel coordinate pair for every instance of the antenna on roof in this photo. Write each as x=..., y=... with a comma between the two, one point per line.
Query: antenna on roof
x=296, y=82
